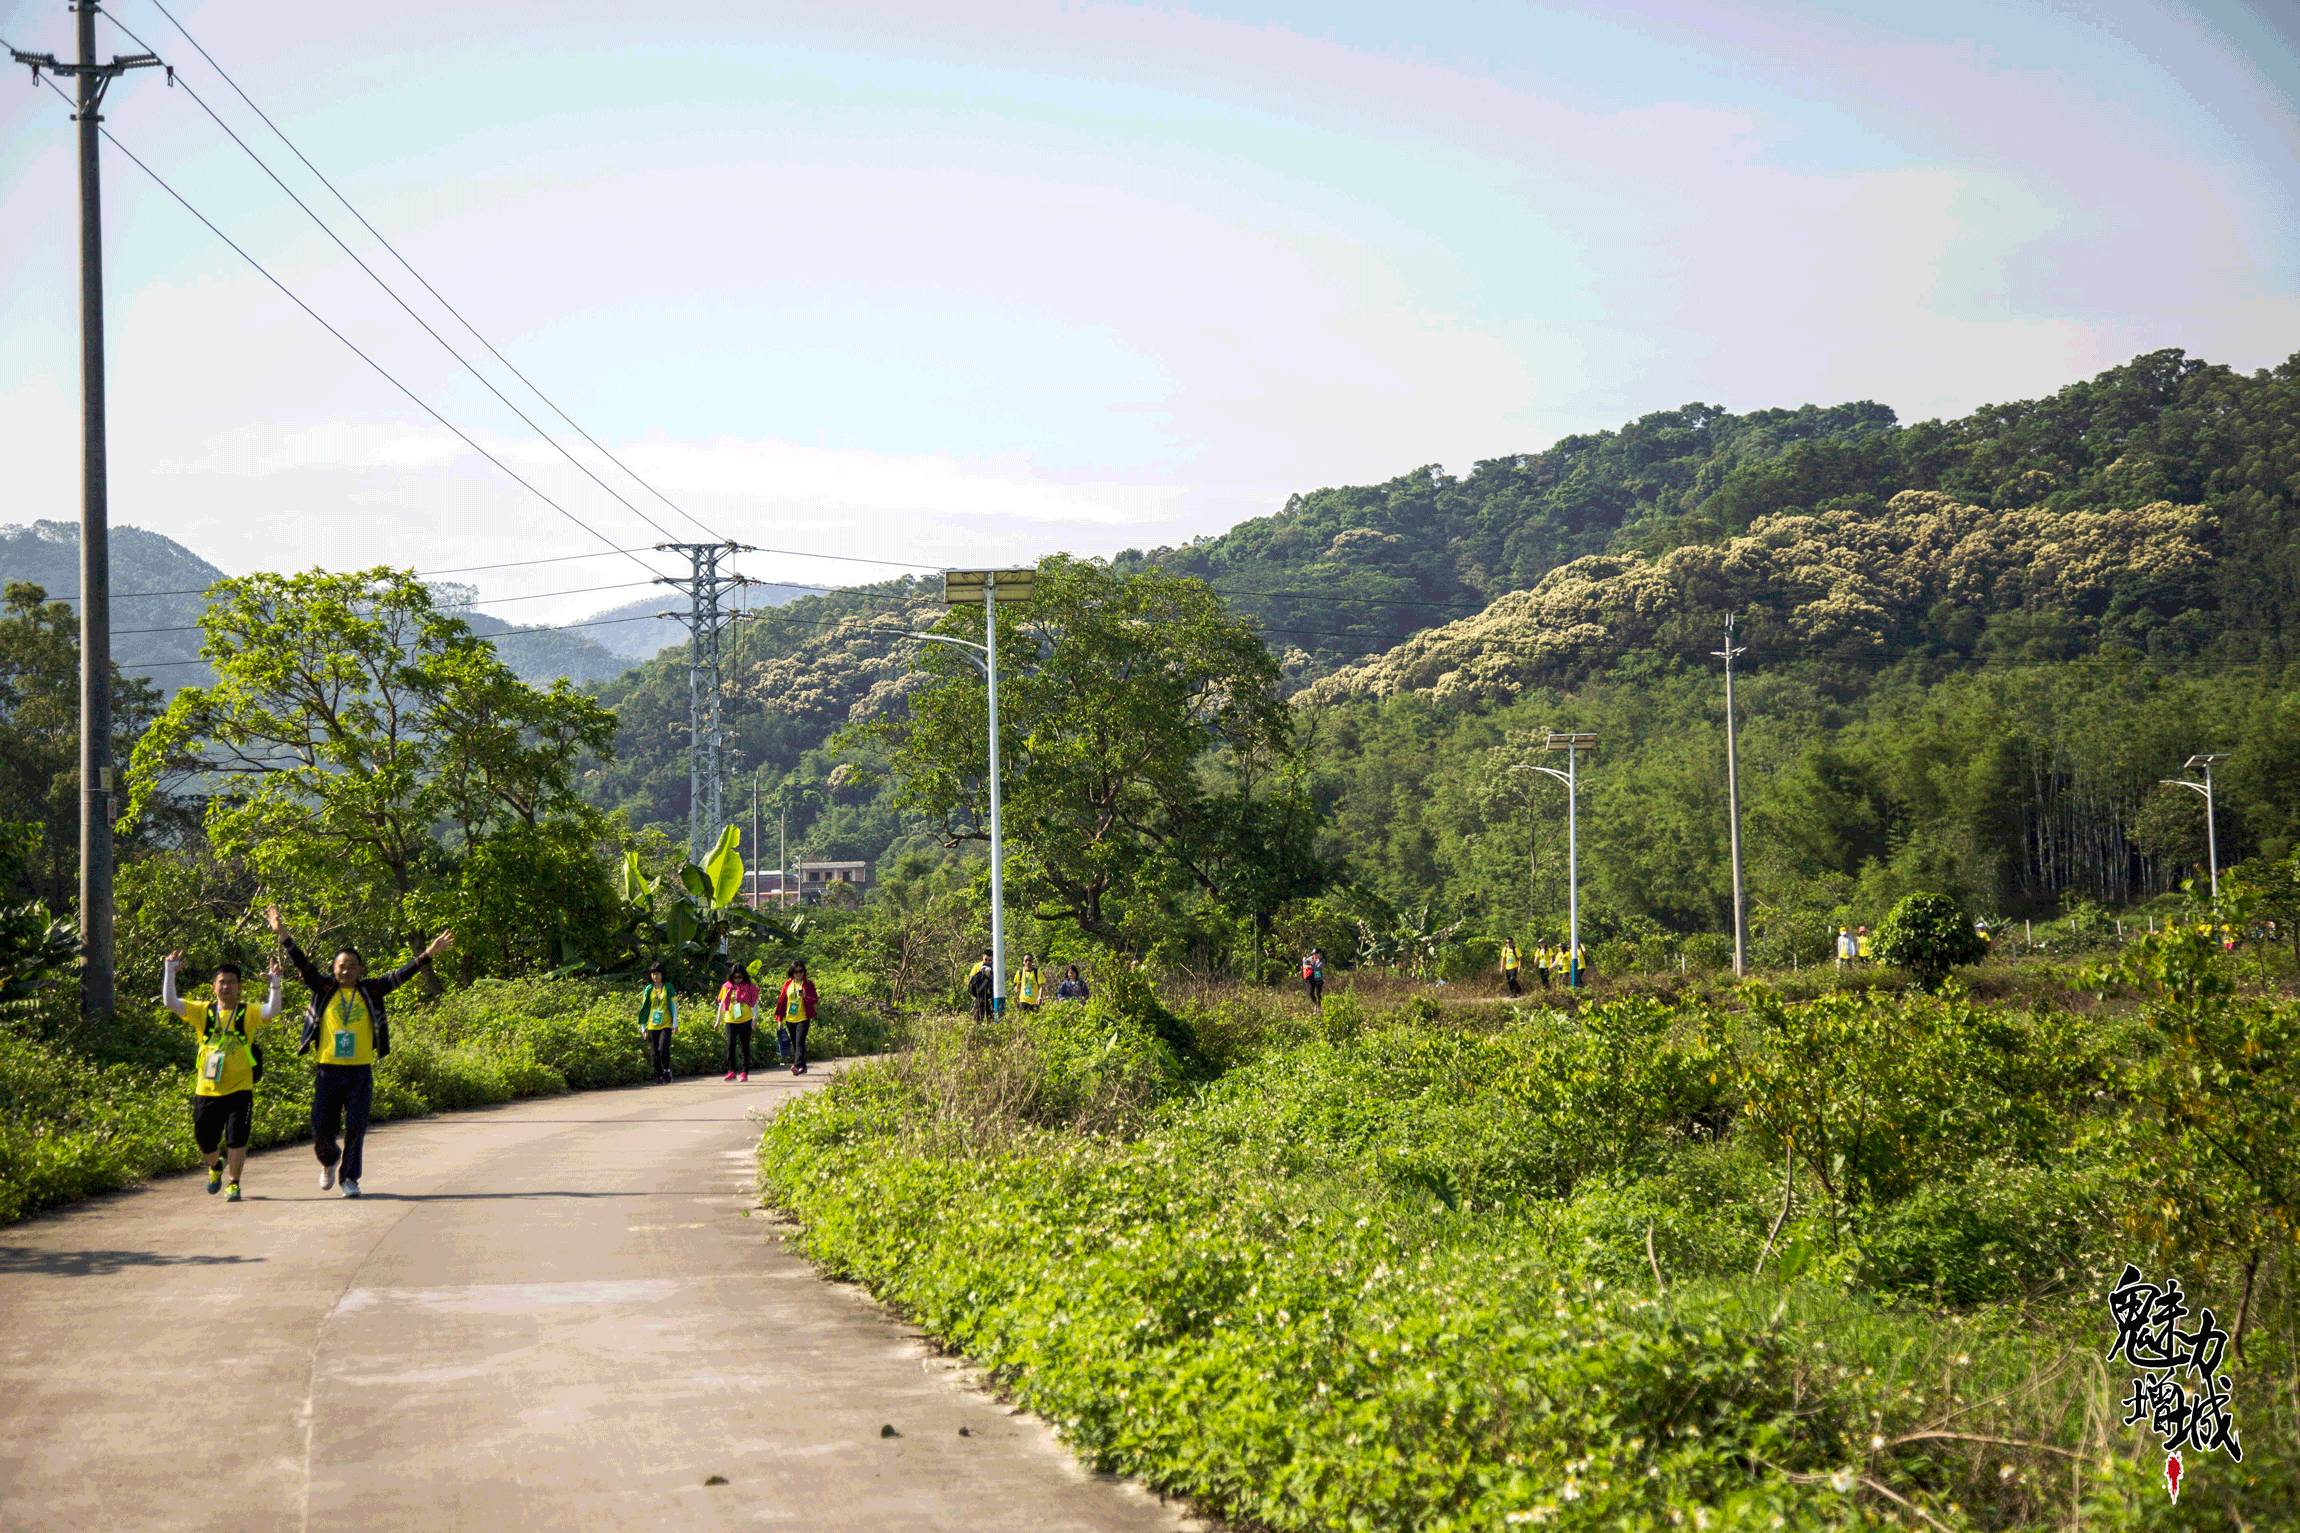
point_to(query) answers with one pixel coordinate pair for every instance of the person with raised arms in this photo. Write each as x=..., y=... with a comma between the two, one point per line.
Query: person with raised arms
x=224, y=1066
x=346, y=1023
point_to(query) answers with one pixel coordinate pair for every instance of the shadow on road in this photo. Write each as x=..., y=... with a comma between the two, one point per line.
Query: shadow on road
x=99, y=1263
x=468, y=1197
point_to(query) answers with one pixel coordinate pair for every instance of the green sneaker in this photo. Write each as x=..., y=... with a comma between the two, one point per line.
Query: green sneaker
x=215, y=1179
x=232, y=1193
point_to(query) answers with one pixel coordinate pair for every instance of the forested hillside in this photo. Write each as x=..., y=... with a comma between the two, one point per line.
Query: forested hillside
x=2063, y=583
x=1366, y=566
x=796, y=673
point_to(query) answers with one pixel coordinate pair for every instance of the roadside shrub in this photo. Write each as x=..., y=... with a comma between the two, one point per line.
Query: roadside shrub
x=1874, y=1095
x=1456, y=1267
x=1928, y=935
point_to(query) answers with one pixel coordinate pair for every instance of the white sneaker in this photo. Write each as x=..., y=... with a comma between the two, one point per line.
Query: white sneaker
x=326, y=1177
x=350, y=1188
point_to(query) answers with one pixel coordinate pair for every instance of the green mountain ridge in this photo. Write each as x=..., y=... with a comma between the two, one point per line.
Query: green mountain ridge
x=2151, y=510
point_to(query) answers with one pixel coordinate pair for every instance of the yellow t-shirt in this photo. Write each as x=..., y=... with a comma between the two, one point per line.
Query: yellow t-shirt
x=1509, y=959
x=347, y=1032
x=222, y=1062
x=658, y=1008
x=737, y=1009
x=1026, y=986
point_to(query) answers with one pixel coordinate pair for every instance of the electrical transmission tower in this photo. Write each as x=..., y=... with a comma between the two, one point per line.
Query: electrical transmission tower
x=707, y=618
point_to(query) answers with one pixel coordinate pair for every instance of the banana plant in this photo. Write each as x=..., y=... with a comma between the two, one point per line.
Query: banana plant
x=686, y=921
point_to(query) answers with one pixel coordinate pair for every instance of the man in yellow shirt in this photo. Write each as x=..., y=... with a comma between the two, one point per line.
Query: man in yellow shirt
x=1509, y=964
x=223, y=1067
x=346, y=1022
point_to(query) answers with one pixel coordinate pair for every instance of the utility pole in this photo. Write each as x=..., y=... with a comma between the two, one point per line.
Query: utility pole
x=755, y=835
x=964, y=588
x=91, y=79
x=1733, y=806
x=707, y=619
x=1573, y=745
x=783, y=855
x=2206, y=763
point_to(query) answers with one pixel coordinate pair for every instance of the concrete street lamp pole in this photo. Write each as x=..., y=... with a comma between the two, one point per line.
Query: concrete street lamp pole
x=2205, y=763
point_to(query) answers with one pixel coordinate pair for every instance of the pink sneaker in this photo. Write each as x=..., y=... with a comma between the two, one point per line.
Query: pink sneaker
x=730, y=1075
x=746, y=1075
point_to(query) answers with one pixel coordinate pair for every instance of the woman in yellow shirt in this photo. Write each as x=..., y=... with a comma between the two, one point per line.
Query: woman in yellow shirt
x=658, y=1021
x=1029, y=984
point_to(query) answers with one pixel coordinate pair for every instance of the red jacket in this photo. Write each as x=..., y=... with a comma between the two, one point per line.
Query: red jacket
x=806, y=989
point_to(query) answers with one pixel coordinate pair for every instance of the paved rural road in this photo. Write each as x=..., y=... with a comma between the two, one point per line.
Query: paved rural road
x=552, y=1315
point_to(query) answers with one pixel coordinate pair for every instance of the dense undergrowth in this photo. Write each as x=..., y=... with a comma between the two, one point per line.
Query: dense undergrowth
x=88, y=1112
x=1428, y=1267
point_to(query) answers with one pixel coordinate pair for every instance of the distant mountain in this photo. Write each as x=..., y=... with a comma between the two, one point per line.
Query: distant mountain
x=158, y=588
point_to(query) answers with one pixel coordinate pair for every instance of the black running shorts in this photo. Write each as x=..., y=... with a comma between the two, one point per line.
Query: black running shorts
x=223, y=1120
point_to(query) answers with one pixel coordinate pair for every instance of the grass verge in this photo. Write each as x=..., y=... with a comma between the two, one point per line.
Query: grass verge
x=1424, y=1269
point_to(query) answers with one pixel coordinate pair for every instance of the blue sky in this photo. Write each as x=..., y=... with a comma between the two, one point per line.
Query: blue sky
x=973, y=283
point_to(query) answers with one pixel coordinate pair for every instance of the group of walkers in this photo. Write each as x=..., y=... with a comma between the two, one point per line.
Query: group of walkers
x=344, y=1022
x=738, y=1013
x=1029, y=985
x=348, y=1030
x=1562, y=964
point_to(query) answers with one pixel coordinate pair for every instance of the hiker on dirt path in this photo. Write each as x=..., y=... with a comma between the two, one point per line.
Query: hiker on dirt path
x=1509, y=965
x=224, y=1067
x=346, y=1023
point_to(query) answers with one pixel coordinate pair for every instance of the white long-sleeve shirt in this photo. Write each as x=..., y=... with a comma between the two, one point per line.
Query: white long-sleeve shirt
x=169, y=998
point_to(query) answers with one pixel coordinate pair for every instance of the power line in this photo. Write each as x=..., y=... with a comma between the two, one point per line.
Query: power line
x=409, y=266
x=467, y=569
x=389, y=292
x=623, y=585
x=381, y=371
x=508, y=633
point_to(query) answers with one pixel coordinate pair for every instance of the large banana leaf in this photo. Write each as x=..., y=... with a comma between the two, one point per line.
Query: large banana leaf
x=725, y=867
x=636, y=885
x=697, y=883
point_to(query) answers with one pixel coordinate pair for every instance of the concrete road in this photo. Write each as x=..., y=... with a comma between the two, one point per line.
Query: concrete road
x=561, y=1314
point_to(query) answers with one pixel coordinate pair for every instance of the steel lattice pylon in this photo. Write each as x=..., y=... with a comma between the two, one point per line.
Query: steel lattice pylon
x=707, y=618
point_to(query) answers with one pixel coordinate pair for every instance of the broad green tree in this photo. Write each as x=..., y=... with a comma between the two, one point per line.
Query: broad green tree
x=1149, y=762
x=360, y=749
x=40, y=737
